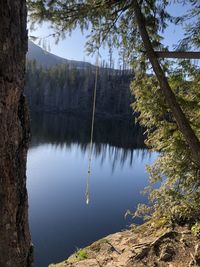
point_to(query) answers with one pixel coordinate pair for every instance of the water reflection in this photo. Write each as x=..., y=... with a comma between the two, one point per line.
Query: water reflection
x=67, y=129
x=122, y=140
x=57, y=169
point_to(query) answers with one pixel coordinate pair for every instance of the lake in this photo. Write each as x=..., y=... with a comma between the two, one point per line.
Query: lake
x=57, y=166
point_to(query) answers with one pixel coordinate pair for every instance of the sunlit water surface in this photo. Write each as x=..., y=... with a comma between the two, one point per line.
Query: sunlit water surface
x=60, y=220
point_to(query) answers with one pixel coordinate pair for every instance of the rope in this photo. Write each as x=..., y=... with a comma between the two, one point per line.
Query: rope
x=92, y=132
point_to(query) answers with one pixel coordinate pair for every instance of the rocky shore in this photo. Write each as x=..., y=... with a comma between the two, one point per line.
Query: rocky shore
x=141, y=246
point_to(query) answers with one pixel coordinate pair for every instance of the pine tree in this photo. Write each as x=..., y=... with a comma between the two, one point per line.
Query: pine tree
x=164, y=108
x=114, y=21
x=15, y=243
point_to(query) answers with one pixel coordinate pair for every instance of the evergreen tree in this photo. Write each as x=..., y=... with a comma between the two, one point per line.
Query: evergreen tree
x=164, y=102
x=114, y=21
x=62, y=89
x=15, y=242
x=177, y=198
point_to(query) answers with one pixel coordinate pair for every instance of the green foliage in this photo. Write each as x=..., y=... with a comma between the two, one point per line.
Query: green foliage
x=177, y=192
x=196, y=229
x=113, y=23
x=80, y=255
x=191, y=38
x=174, y=190
x=110, y=22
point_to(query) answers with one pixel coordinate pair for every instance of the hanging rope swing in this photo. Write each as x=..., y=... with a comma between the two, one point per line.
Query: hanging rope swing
x=92, y=132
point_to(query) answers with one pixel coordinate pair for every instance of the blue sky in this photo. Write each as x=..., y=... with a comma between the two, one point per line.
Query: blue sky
x=73, y=47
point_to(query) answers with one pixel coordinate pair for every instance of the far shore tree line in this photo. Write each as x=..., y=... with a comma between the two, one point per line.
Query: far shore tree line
x=65, y=88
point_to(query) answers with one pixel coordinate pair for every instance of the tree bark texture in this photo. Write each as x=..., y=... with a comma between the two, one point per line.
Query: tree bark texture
x=15, y=242
x=182, y=122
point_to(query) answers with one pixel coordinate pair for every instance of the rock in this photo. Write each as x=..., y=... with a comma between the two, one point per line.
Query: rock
x=197, y=254
x=136, y=249
x=87, y=263
x=167, y=252
x=141, y=253
x=166, y=257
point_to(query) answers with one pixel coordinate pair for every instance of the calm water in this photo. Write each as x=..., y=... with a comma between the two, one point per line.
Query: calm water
x=60, y=220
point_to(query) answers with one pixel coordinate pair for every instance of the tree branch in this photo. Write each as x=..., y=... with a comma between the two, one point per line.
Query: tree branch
x=174, y=54
x=181, y=120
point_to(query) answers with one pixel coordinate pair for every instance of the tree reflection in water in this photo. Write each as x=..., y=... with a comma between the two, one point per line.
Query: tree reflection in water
x=120, y=139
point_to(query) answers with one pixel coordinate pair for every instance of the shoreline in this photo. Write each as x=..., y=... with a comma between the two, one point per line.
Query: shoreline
x=141, y=246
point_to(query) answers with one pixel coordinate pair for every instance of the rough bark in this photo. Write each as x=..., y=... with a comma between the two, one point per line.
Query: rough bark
x=181, y=120
x=15, y=243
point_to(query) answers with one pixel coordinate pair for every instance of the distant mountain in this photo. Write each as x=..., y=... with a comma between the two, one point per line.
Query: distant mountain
x=47, y=59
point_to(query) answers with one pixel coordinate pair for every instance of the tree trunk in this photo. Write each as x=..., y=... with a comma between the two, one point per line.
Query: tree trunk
x=181, y=120
x=15, y=243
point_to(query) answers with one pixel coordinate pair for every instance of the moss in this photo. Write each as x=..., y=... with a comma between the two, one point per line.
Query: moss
x=82, y=254
x=78, y=256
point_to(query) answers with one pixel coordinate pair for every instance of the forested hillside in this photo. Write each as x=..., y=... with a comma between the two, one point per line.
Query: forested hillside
x=47, y=59
x=62, y=88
